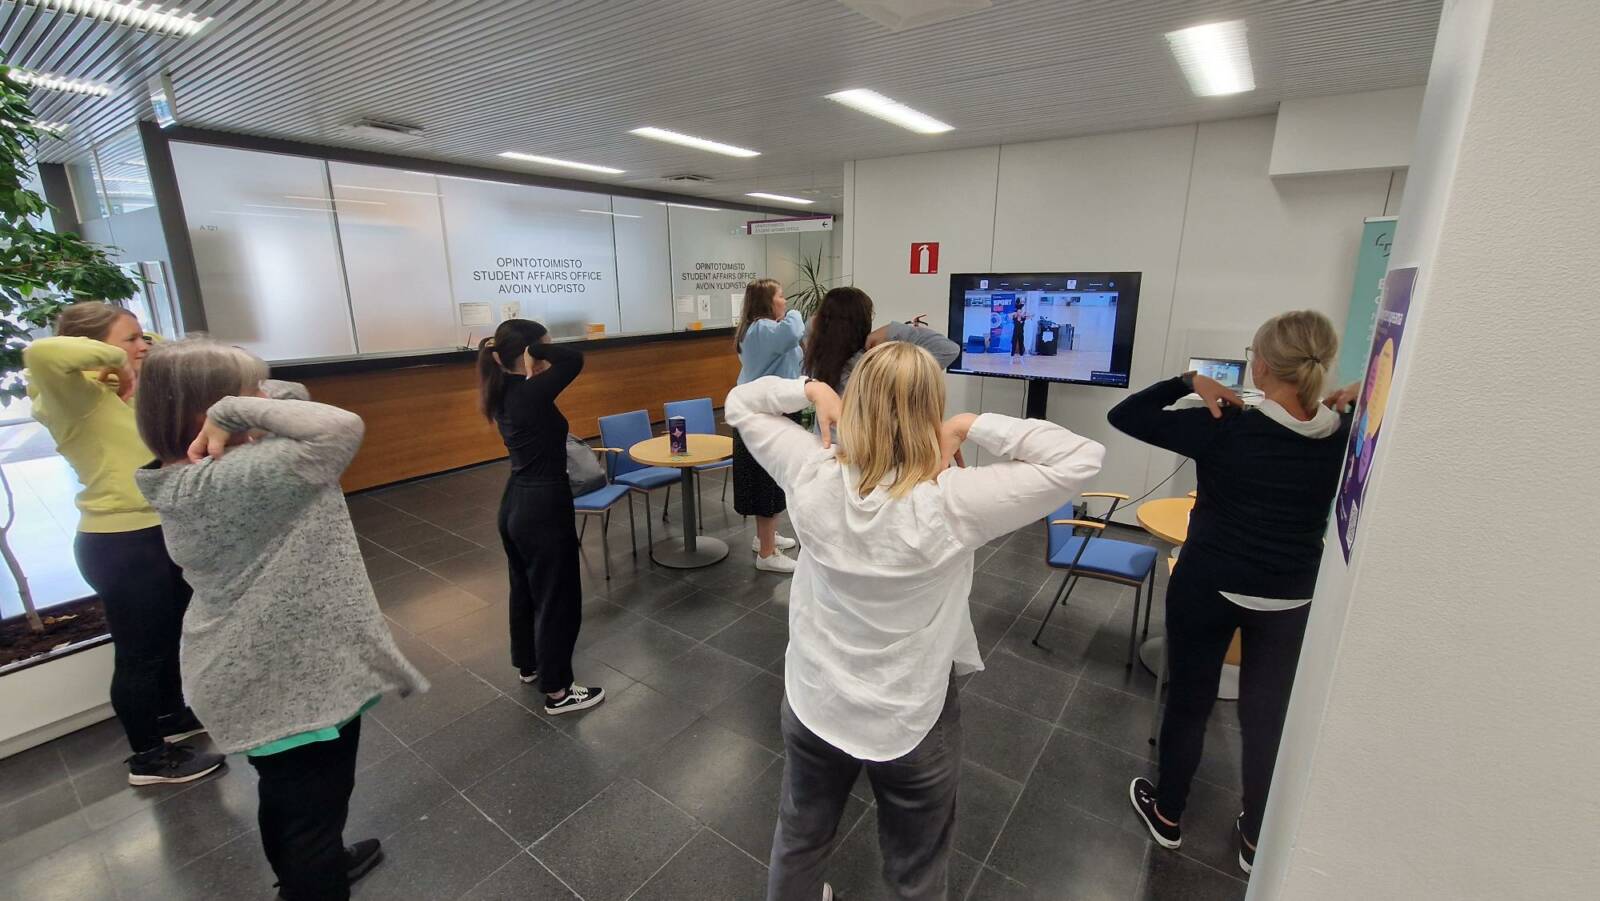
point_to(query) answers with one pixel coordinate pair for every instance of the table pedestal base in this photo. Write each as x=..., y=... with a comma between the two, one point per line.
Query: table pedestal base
x=1150, y=655
x=707, y=550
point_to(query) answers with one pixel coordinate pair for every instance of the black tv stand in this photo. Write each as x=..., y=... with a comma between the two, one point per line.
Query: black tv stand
x=1038, y=393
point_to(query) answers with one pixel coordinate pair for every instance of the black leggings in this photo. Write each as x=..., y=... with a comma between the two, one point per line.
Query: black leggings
x=144, y=596
x=1200, y=624
x=541, y=542
x=305, y=798
x=1017, y=348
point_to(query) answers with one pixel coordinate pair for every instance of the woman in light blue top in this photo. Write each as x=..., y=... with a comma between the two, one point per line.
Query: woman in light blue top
x=768, y=342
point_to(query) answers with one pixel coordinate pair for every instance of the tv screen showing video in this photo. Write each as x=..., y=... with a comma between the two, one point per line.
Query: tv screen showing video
x=1059, y=326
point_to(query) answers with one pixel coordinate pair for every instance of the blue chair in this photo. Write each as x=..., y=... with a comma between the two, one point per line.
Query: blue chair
x=1094, y=556
x=599, y=503
x=622, y=431
x=701, y=419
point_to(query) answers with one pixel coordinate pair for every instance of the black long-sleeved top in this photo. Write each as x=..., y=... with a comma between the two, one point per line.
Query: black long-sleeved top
x=1264, y=490
x=530, y=423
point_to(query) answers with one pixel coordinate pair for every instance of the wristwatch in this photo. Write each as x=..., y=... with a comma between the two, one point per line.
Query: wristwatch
x=1188, y=379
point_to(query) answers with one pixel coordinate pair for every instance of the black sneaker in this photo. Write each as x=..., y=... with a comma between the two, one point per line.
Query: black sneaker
x=578, y=697
x=1143, y=796
x=528, y=676
x=171, y=764
x=176, y=727
x=1247, y=854
x=361, y=857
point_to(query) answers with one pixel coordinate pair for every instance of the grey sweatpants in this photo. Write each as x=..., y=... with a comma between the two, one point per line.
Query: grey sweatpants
x=916, y=809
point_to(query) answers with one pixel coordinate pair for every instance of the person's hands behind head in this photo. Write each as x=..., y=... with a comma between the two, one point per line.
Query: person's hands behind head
x=780, y=305
x=953, y=433
x=1215, y=394
x=921, y=320
x=877, y=336
x=212, y=441
x=1342, y=398
x=828, y=405
x=127, y=380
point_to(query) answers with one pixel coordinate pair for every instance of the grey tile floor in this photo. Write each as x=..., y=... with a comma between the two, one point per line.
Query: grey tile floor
x=669, y=789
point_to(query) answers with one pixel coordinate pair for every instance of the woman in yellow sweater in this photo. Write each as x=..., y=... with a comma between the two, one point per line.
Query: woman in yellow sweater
x=81, y=384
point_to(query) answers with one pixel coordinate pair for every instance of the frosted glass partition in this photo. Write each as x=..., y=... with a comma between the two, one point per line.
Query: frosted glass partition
x=643, y=282
x=392, y=236
x=712, y=261
x=266, y=250
x=531, y=253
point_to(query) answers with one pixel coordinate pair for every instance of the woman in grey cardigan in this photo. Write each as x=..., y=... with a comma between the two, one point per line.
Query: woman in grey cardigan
x=283, y=644
x=842, y=331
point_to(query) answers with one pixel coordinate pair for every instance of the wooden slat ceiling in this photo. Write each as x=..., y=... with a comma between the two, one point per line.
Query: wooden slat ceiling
x=569, y=79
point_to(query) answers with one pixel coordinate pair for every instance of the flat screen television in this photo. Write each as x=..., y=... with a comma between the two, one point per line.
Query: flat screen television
x=1072, y=327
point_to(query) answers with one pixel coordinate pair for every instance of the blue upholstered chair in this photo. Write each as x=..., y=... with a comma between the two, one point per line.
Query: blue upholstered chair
x=599, y=503
x=622, y=431
x=701, y=419
x=1094, y=556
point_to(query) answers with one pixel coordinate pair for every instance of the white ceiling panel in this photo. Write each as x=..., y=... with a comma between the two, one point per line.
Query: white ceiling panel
x=568, y=79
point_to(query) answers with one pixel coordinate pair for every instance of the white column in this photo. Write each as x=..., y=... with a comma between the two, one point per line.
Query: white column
x=1446, y=721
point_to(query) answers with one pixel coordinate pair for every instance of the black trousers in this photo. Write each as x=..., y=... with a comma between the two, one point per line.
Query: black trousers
x=305, y=799
x=1017, y=348
x=541, y=542
x=1200, y=624
x=144, y=596
x=916, y=809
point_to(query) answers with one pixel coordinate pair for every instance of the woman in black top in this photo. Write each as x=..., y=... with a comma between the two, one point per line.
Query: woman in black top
x=520, y=375
x=1266, y=480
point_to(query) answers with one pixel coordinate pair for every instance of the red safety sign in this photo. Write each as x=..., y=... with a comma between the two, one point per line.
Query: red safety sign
x=925, y=258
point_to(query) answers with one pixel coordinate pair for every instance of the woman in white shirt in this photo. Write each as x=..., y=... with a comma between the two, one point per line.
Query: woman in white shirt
x=879, y=623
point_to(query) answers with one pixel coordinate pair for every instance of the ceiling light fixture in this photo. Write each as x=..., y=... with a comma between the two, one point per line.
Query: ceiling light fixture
x=609, y=213
x=779, y=197
x=691, y=206
x=388, y=190
x=172, y=22
x=58, y=83
x=875, y=104
x=48, y=129
x=1215, y=58
x=673, y=137
x=566, y=164
x=335, y=200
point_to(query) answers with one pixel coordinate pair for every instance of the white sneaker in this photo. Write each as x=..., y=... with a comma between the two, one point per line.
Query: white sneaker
x=777, y=563
x=782, y=543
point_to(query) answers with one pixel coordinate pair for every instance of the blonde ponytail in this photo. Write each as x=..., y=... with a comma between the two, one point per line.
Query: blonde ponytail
x=1297, y=349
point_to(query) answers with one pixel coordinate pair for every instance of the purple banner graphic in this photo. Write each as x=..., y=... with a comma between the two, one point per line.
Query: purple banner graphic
x=1374, y=402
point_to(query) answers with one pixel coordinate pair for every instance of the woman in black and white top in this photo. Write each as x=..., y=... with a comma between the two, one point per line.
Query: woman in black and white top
x=1266, y=481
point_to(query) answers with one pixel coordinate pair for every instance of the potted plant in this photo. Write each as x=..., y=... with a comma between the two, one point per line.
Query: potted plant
x=806, y=293
x=40, y=272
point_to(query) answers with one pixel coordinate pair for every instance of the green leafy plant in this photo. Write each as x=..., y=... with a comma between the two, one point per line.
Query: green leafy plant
x=40, y=272
x=806, y=293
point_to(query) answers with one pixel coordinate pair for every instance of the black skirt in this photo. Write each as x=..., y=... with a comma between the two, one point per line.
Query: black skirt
x=754, y=492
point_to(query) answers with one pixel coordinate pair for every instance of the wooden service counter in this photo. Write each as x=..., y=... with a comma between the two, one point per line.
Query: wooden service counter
x=422, y=412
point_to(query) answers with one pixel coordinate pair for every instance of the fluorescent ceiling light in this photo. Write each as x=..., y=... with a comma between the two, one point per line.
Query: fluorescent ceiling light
x=609, y=213
x=672, y=137
x=691, y=206
x=53, y=129
x=780, y=197
x=875, y=104
x=279, y=206
x=58, y=83
x=336, y=200
x=388, y=190
x=149, y=17
x=1215, y=58
x=567, y=164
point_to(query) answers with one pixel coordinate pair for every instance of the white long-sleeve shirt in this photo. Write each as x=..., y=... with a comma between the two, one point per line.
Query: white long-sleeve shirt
x=878, y=609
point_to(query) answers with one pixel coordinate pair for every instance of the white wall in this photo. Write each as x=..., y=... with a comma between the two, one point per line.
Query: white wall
x=1445, y=718
x=1346, y=132
x=1221, y=244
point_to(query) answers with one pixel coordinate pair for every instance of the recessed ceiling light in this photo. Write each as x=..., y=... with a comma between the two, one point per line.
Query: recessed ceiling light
x=58, y=83
x=152, y=18
x=1215, y=58
x=565, y=164
x=609, y=213
x=875, y=104
x=779, y=197
x=51, y=129
x=672, y=137
x=691, y=206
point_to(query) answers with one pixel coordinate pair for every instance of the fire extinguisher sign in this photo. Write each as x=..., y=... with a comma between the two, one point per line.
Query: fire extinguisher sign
x=925, y=258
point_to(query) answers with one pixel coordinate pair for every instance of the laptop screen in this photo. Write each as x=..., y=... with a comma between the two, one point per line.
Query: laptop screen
x=1229, y=373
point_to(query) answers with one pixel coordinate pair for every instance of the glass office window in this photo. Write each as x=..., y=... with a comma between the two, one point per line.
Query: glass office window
x=644, y=282
x=266, y=249
x=392, y=236
x=124, y=177
x=712, y=261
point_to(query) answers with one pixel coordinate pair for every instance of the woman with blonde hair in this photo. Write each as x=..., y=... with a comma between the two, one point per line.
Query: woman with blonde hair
x=768, y=343
x=82, y=383
x=1267, y=478
x=879, y=623
x=284, y=647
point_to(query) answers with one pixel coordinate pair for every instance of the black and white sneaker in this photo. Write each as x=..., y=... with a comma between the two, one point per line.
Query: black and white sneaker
x=528, y=676
x=1247, y=854
x=578, y=697
x=1143, y=796
x=827, y=892
x=176, y=727
x=361, y=857
x=170, y=764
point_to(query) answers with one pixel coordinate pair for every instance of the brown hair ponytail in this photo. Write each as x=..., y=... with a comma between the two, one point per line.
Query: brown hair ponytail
x=499, y=353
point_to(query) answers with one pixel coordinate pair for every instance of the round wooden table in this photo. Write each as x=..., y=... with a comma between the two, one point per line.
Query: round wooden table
x=695, y=550
x=1167, y=518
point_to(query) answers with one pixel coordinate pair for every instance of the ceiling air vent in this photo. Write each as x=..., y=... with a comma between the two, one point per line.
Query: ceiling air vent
x=687, y=179
x=899, y=15
x=388, y=132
